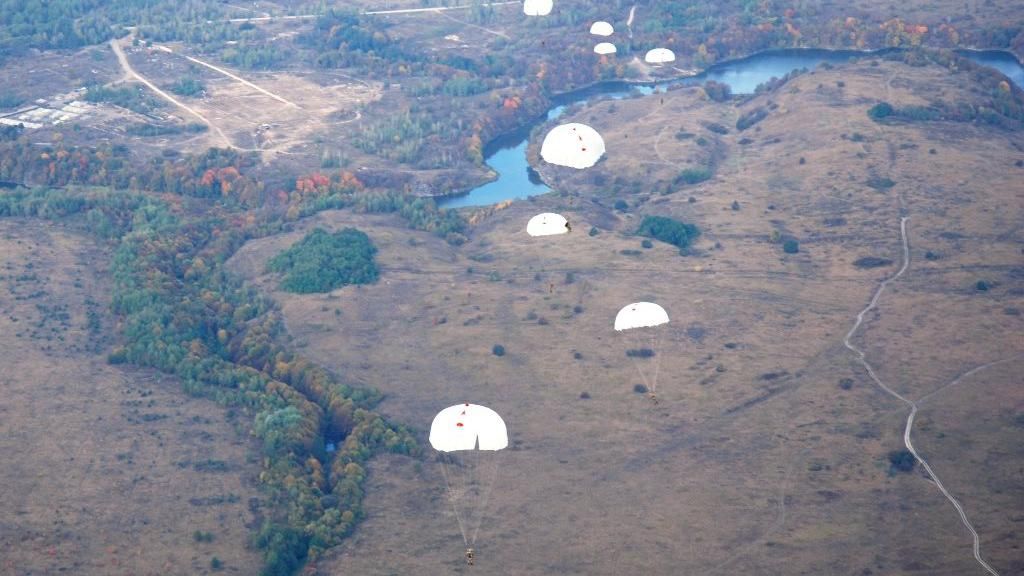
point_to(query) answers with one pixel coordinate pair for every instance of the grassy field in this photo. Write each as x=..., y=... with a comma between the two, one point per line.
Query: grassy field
x=105, y=470
x=768, y=451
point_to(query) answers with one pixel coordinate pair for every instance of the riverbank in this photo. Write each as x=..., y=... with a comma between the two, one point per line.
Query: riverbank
x=742, y=75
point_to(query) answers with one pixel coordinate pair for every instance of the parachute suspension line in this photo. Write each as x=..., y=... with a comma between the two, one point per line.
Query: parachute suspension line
x=488, y=474
x=574, y=330
x=637, y=346
x=452, y=495
x=656, y=347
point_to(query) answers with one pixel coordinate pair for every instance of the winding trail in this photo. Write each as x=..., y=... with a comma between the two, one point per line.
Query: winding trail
x=132, y=74
x=233, y=77
x=912, y=404
x=470, y=24
x=439, y=8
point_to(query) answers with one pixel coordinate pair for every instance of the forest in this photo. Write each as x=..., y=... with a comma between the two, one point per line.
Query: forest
x=184, y=315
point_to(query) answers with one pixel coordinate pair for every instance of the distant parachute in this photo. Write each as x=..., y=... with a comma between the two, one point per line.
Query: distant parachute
x=468, y=439
x=605, y=48
x=601, y=28
x=537, y=7
x=574, y=145
x=643, y=325
x=547, y=224
x=659, y=56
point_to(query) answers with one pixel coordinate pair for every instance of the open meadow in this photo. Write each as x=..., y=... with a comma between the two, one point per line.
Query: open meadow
x=106, y=470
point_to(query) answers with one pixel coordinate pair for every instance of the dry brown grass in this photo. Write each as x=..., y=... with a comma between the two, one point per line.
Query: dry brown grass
x=755, y=461
x=105, y=470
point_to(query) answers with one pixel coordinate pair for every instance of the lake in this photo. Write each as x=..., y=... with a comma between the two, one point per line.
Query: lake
x=506, y=155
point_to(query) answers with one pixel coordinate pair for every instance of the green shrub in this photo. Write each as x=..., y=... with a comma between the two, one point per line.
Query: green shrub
x=880, y=110
x=693, y=176
x=668, y=230
x=750, y=118
x=880, y=183
x=791, y=246
x=498, y=350
x=902, y=460
x=187, y=86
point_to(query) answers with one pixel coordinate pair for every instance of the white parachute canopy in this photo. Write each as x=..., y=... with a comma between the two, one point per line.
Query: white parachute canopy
x=537, y=7
x=659, y=56
x=605, y=48
x=574, y=145
x=640, y=315
x=547, y=224
x=601, y=28
x=468, y=427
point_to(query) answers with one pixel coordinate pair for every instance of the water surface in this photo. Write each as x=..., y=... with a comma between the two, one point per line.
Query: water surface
x=506, y=154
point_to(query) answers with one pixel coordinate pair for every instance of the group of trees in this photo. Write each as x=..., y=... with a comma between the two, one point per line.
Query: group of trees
x=996, y=101
x=184, y=315
x=216, y=173
x=669, y=230
x=134, y=98
x=322, y=261
x=75, y=23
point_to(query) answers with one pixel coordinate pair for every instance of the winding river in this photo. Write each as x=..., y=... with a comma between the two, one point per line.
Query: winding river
x=506, y=155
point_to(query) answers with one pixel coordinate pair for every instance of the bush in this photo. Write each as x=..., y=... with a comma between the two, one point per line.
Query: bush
x=498, y=350
x=982, y=286
x=717, y=91
x=791, y=246
x=879, y=183
x=640, y=353
x=321, y=261
x=593, y=231
x=187, y=87
x=639, y=388
x=880, y=110
x=871, y=262
x=748, y=119
x=901, y=460
x=647, y=244
x=621, y=205
x=735, y=205
x=716, y=128
x=216, y=563
x=668, y=230
x=846, y=383
x=692, y=176
x=584, y=395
